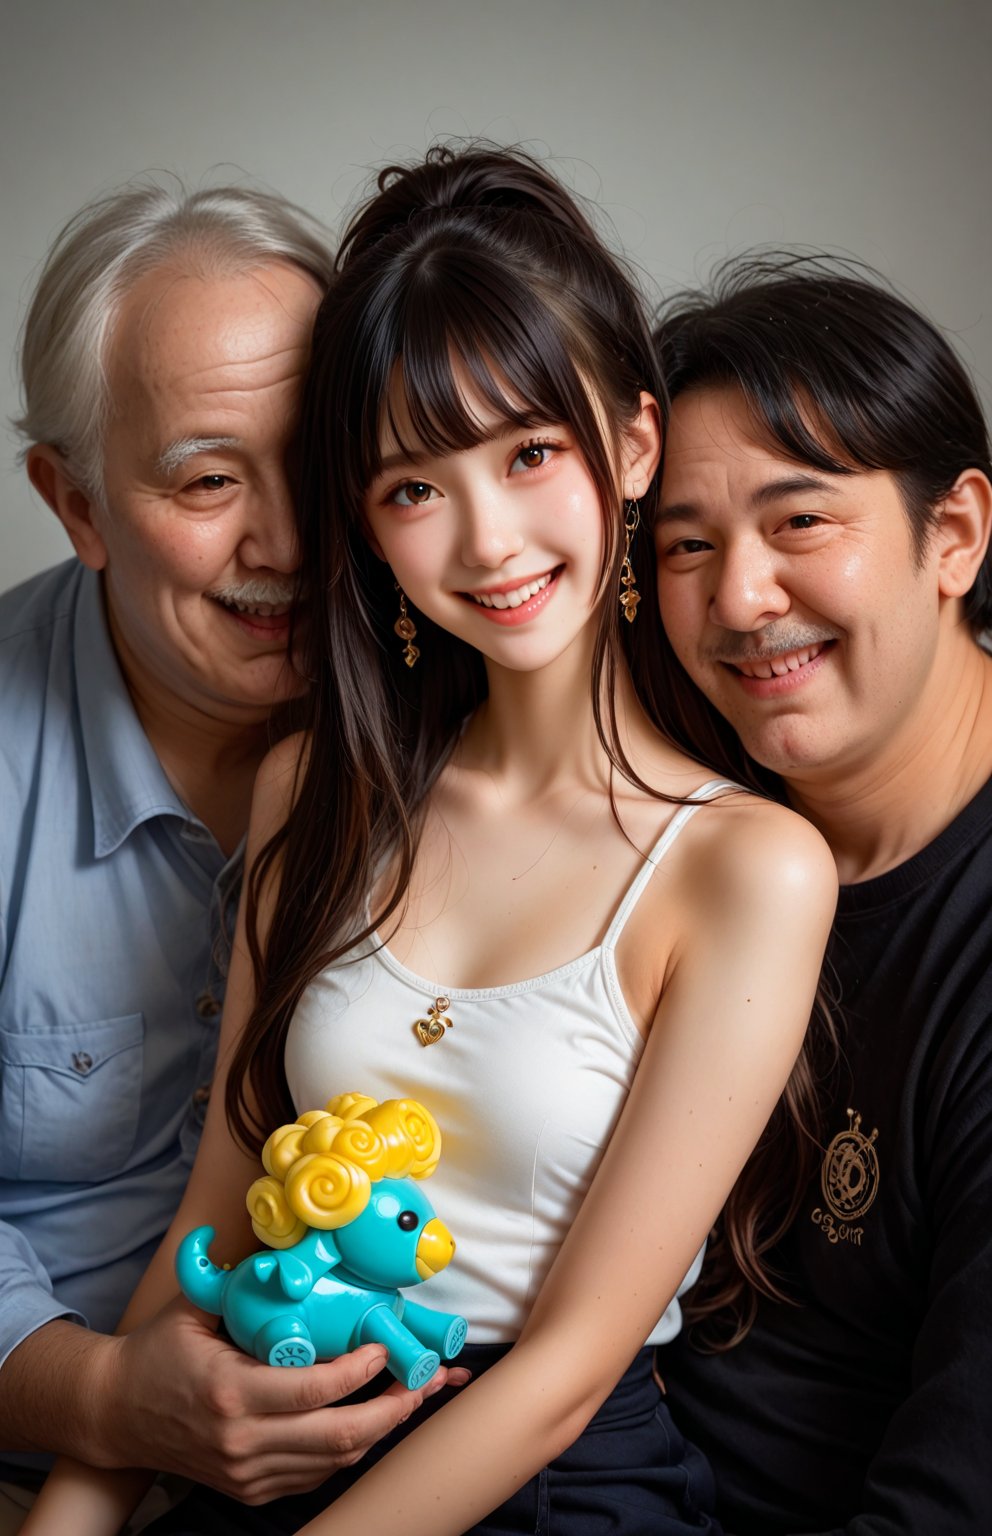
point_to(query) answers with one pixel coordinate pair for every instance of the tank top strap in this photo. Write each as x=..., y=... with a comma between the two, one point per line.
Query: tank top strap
x=683, y=814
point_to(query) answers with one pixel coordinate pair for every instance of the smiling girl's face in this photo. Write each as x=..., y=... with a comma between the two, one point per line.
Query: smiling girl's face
x=501, y=543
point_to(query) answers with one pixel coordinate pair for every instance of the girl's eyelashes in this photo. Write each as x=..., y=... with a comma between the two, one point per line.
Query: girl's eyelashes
x=412, y=493
x=528, y=456
x=534, y=455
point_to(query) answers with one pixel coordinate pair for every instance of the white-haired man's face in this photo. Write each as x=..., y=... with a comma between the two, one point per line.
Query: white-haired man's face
x=195, y=533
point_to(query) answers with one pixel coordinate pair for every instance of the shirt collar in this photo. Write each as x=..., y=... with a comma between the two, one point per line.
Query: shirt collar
x=127, y=782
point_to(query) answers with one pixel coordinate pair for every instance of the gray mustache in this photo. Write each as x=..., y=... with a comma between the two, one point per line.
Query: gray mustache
x=260, y=589
x=736, y=645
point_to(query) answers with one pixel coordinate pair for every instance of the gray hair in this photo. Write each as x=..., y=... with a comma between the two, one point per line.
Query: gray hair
x=99, y=255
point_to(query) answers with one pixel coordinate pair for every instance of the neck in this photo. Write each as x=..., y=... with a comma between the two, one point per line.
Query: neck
x=209, y=760
x=876, y=814
x=536, y=731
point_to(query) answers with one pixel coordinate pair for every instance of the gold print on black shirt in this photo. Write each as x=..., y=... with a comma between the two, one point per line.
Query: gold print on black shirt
x=849, y=1180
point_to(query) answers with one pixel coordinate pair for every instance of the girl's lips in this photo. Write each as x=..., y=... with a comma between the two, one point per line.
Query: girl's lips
x=774, y=687
x=510, y=617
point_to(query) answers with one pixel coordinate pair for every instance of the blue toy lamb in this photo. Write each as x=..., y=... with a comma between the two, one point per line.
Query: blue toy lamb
x=337, y=1197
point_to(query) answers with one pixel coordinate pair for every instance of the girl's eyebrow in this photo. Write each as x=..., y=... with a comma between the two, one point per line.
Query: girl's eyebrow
x=402, y=459
x=497, y=433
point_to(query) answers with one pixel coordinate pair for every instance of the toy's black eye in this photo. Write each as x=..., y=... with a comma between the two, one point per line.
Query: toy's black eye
x=407, y=1220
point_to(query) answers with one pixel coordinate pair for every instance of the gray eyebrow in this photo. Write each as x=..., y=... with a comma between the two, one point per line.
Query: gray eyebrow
x=176, y=454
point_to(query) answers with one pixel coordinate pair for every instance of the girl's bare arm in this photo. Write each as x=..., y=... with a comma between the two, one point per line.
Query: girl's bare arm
x=742, y=975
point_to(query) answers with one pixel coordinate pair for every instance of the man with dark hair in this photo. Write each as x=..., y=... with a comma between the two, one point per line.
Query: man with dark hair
x=824, y=579
x=163, y=360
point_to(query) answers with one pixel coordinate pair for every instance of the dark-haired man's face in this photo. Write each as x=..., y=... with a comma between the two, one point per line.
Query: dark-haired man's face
x=792, y=597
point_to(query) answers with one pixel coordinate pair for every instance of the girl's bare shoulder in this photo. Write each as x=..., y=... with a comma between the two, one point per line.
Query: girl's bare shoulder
x=736, y=833
x=742, y=849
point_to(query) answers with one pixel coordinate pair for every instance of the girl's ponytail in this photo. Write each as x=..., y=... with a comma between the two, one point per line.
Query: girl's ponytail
x=475, y=182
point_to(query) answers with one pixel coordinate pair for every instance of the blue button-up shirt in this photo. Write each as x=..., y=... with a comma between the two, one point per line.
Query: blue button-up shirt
x=116, y=908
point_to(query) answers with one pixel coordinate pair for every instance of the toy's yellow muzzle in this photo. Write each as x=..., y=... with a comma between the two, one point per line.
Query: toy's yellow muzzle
x=434, y=1249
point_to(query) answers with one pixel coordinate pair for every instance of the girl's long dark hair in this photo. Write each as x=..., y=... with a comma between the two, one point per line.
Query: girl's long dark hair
x=472, y=264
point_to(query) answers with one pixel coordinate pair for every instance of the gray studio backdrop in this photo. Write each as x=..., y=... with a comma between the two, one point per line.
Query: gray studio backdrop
x=700, y=126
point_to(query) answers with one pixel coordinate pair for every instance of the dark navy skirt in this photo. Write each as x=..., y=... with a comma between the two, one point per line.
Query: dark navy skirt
x=630, y=1473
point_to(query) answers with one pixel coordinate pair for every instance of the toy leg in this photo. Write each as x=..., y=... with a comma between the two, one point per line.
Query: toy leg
x=284, y=1341
x=409, y=1361
x=443, y=1331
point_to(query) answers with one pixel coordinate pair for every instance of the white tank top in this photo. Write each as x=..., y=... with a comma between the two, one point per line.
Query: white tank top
x=526, y=1086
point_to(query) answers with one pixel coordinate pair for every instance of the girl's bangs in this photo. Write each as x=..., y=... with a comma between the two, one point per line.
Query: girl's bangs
x=469, y=368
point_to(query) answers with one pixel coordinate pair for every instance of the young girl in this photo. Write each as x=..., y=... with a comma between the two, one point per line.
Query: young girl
x=482, y=825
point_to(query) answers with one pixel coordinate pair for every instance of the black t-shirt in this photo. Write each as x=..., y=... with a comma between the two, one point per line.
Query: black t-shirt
x=868, y=1407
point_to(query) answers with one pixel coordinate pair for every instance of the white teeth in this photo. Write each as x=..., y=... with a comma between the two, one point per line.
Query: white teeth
x=263, y=610
x=510, y=599
x=779, y=666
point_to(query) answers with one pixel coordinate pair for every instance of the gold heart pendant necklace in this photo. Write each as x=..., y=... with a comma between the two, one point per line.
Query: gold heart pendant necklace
x=430, y=1030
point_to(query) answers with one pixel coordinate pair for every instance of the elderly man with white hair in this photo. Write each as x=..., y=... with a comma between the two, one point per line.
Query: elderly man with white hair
x=162, y=361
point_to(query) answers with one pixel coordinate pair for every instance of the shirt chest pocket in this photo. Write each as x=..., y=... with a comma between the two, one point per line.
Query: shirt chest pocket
x=69, y=1100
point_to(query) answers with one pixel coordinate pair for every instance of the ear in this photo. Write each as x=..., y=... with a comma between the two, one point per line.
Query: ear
x=642, y=448
x=72, y=506
x=963, y=535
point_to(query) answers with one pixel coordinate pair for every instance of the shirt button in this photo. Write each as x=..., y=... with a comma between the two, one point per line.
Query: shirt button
x=207, y=1006
x=201, y=1094
x=82, y=1062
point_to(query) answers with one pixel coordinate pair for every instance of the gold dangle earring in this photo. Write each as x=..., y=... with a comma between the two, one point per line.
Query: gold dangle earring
x=629, y=595
x=406, y=629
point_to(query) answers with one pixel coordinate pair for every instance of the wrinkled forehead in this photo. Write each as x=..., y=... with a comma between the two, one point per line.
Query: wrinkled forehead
x=720, y=459
x=175, y=324
x=710, y=426
x=719, y=420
